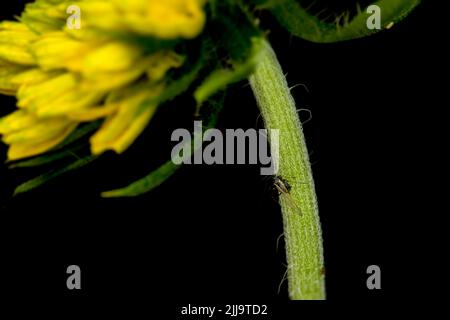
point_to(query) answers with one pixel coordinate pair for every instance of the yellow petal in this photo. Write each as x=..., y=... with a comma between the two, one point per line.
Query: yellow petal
x=119, y=130
x=27, y=149
x=17, y=120
x=16, y=54
x=32, y=76
x=112, y=57
x=7, y=73
x=13, y=26
x=14, y=41
x=138, y=125
x=168, y=19
x=68, y=102
x=17, y=38
x=107, y=81
x=93, y=113
x=101, y=14
x=117, y=123
x=36, y=95
x=56, y=50
x=41, y=131
x=42, y=17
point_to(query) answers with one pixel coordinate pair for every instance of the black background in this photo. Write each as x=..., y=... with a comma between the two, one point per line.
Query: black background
x=209, y=234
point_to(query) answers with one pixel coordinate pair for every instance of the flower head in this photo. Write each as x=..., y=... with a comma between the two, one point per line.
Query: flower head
x=63, y=77
x=112, y=64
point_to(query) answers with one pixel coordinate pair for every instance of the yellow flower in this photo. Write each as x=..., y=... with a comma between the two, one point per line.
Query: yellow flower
x=64, y=77
x=167, y=19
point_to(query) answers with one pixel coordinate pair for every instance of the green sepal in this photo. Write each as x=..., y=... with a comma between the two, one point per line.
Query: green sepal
x=46, y=177
x=221, y=78
x=146, y=184
x=210, y=113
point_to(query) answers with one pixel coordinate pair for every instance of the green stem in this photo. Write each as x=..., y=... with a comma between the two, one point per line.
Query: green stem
x=302, y=231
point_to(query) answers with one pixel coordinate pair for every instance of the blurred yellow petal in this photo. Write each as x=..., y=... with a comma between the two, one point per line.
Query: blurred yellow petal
x=44, y=17
x=101, y=14
x=107, y=81
x=117, y=126
x=57, y=50
x=33, y=96
x=7, y=73
x=27, y=149
x=32, y=76
x=14, y=40
x=112, y=57
x=49, y=9
x=71, y=101
x=134, y=130
x=168, y=19
x=92, y=113
x=17, y=120
x=16, y=54
x=39, y=132
x=117, y=123
x=13, y=26
x=17, y=38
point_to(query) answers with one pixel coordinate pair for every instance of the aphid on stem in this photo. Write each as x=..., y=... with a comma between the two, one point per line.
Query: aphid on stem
x=284, y=190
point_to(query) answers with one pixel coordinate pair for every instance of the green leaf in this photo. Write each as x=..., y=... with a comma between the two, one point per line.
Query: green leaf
x=299, y=22
x=157, y=177
x=46, y=177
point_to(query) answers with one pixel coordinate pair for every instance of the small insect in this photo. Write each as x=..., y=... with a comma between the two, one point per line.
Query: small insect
x=282, y=185
x=284, y=190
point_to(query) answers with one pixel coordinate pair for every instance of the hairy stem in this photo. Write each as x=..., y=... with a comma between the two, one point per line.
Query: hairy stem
x=302, y=231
